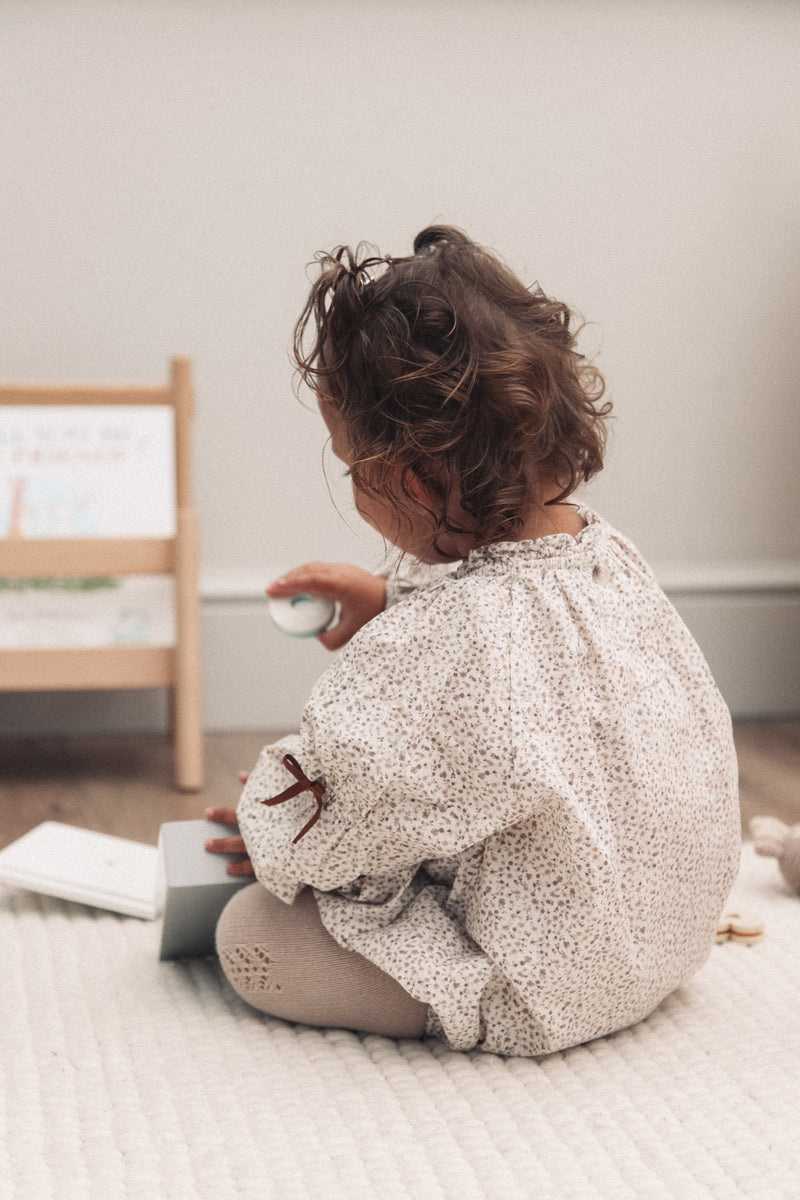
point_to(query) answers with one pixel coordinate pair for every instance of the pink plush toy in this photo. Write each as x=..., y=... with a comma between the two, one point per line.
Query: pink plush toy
x=774, y=839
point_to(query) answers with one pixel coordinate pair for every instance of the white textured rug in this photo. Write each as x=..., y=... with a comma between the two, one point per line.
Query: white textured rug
x=126, y=1077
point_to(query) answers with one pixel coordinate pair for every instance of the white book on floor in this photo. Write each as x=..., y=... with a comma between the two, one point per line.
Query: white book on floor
x=92, y=868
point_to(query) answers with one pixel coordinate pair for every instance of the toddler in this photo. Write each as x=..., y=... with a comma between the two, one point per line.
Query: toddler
x=510, y=817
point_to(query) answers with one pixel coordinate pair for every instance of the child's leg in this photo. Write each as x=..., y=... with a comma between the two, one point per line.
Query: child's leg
x=281, y=959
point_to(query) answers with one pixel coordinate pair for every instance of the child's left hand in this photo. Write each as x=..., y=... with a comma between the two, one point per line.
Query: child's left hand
x=233, y=844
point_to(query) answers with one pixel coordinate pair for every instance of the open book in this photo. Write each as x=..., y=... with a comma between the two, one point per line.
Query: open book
x=82, y=865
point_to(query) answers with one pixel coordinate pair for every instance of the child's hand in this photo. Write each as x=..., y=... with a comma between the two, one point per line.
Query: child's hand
x=233, y=844
x=361, y=595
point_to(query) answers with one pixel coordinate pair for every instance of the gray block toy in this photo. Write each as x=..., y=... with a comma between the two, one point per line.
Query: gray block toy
x=193, y=887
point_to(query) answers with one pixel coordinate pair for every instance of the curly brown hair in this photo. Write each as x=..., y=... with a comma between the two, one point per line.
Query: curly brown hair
x=445, y=366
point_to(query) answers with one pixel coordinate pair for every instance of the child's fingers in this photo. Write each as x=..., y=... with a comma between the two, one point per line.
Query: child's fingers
x=226, y=845
x=333, y=639
x=241, y=868
x=244, y=776
x=222, y=816
x=318, y=579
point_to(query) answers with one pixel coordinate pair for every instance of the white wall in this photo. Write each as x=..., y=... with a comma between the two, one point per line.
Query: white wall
x=169, y=168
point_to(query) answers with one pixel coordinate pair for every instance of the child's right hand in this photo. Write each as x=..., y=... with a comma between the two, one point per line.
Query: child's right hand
x=361, y=595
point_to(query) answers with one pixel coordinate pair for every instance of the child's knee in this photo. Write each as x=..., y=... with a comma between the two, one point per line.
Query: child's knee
x=282, y=960
x=245, y=932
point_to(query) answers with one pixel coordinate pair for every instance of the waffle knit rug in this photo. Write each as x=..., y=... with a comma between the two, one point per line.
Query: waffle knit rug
x=124, y=1077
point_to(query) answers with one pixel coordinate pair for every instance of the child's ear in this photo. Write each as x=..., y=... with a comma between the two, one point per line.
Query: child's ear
x=417, y=489
x=420, y=492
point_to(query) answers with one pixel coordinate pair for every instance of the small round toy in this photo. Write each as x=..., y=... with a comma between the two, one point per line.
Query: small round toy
x=301, y=615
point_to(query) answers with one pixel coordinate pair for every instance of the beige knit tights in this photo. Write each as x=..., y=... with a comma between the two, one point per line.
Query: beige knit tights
x=281, y=959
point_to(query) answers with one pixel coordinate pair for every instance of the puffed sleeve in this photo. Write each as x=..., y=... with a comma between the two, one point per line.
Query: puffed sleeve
x=378, y=733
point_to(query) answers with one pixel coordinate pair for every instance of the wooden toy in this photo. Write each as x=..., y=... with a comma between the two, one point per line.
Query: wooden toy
x=742, y=927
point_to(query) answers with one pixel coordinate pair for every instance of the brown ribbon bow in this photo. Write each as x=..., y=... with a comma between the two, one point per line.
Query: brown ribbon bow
x=304, y=784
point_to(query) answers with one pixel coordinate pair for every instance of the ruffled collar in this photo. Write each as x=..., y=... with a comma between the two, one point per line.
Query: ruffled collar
x=563, y=546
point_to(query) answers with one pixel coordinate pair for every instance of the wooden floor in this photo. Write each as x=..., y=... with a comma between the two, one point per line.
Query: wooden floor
x=124, y=785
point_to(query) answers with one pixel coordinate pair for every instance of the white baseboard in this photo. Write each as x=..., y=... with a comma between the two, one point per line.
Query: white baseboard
x=712, y=578
x=752, y=644
x=746, y=618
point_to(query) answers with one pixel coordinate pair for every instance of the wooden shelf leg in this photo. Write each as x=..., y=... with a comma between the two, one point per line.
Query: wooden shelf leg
x=187, y=697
